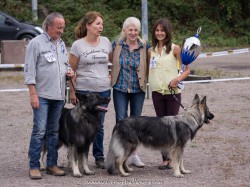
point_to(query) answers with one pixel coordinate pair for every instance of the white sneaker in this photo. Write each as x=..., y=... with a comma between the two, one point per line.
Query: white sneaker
x=136, y=161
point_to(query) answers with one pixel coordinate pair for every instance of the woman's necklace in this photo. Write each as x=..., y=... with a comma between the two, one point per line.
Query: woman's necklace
x=159, y=50
x=132, y=46
x=160, y=47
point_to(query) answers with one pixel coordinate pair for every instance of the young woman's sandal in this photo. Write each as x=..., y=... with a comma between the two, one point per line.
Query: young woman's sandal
x=162, y=167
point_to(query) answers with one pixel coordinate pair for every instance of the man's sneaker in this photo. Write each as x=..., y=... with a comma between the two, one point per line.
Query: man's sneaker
x=35, y=174
x=136, y=161
x=100, y=163
x=55, y=170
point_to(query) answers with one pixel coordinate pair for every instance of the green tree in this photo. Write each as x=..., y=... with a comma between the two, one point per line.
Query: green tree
x=225, y=23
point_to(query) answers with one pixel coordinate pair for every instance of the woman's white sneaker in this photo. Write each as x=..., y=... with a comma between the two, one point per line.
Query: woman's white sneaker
x=136, y=161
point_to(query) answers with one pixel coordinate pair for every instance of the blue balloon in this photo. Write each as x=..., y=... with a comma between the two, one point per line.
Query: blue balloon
x=188, y=56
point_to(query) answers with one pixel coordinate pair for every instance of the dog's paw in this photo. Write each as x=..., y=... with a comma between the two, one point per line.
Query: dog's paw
x=77, y=175
x=179, y=175
x=125, y=174
x=186, y=171
x=42, y=168
x=130, y=169
x=89, y=172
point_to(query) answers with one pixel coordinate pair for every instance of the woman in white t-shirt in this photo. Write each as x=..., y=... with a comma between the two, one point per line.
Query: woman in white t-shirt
x=89, y=57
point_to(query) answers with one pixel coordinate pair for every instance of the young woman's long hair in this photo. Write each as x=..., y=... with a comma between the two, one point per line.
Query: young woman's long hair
x=90, y=17
x=167, y=27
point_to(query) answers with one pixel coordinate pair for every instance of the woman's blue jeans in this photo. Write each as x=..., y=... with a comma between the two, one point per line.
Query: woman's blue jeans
x=98, y=148
x=121, y=101
x=46, y=125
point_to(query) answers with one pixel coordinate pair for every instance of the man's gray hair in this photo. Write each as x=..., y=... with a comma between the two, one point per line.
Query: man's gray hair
x=49, y=20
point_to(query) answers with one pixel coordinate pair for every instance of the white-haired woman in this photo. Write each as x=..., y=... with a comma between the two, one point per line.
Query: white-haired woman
x=129, y=74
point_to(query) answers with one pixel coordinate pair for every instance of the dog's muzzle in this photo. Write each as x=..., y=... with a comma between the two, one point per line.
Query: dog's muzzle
x=208, y=117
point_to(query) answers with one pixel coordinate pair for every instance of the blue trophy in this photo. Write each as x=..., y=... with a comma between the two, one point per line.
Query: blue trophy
x=190, y=50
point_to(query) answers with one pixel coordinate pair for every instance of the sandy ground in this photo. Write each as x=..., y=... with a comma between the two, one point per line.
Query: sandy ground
x=218, y=156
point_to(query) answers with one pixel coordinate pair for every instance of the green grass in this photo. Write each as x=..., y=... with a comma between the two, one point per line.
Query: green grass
x=225, y=48
x=15, y=76
x=215, y=73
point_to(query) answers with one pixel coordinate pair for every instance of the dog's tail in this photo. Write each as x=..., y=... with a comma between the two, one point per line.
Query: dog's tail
x=111, y=158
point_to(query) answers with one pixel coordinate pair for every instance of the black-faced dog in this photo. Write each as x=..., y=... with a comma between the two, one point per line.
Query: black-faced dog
x=78, y=128
x=169, y=133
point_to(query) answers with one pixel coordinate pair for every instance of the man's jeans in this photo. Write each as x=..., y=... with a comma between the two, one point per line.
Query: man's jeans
x=46, y=123
x=98, y=149
x=121, y=101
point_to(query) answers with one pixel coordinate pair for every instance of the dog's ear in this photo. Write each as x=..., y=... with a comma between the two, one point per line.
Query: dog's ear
x=80, y=97
x=196, y=99
x=204, y=101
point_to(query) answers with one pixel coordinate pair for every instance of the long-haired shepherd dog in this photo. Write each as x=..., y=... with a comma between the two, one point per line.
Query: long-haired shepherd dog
x=78, y=128
x=169, y=133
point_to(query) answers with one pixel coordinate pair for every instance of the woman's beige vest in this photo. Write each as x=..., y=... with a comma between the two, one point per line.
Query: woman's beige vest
x=142, y=70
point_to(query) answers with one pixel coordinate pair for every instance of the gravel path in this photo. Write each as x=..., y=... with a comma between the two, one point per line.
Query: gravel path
x=218, y=156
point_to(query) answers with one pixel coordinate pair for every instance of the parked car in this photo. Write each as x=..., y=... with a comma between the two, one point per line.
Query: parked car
x=13, y=29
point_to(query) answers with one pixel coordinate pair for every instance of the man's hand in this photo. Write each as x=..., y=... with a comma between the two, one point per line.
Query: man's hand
x=70, y=73
x=34, y=101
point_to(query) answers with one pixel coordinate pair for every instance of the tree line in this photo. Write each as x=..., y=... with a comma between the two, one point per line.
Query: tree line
x=224, y=22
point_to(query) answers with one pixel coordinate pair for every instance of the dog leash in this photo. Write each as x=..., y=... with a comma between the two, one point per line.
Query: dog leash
x=173, y=94
x=70, y=79
x=72, y=84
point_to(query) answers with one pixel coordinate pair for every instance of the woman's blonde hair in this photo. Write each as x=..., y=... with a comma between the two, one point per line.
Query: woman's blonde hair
x=128, y=22
x=81, y=28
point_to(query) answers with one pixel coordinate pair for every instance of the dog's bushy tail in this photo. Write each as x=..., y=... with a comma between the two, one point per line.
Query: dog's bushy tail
x=111, y=158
